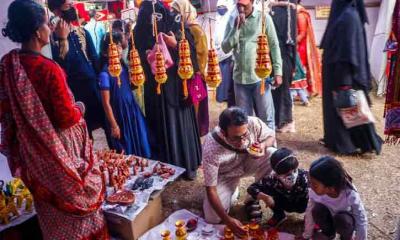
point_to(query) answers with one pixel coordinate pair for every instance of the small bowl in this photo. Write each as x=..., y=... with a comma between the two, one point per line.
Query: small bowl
x=191, y=225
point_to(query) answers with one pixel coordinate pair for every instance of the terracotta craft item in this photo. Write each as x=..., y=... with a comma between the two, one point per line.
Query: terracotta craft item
x=124, y=197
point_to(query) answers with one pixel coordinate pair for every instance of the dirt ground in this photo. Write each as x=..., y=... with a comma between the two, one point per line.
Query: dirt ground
x=376, y=177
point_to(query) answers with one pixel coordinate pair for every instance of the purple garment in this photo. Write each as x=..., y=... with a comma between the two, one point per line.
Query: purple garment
x=203, y=117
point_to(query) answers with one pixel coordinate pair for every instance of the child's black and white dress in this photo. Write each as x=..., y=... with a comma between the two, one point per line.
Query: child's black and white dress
x=293, y=200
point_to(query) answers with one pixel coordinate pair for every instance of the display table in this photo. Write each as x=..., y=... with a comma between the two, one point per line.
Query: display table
x=130, y=222
x=185, y=215
x=5, y=175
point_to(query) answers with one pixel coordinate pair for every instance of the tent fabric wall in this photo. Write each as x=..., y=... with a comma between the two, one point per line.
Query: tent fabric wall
x=378, y=58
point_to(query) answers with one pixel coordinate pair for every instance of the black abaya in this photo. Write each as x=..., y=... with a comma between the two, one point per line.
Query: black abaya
x=282, y=100
x=345, y=64
x=174, y=136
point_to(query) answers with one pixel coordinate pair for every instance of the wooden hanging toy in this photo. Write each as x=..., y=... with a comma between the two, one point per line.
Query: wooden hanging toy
x=136, y=72
x=160, y=76
x=263, y=61
x=114, y=63
x=213, y=78
x=185, y=67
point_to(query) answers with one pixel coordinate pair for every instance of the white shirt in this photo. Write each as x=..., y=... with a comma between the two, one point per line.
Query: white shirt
x=220, y=26
x=348, y=201
x=220, y=163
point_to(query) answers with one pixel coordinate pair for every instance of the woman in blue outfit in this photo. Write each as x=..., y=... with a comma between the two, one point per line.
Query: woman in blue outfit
x=126, y=128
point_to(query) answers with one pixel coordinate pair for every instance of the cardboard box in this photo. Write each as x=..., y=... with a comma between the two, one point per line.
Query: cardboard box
x=150, y=217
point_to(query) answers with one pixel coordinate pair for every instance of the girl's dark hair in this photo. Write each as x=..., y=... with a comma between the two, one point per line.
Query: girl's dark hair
x=232, y=116
x=330, y=173
x=24, y=19
x=117, y=39
x=283, y=160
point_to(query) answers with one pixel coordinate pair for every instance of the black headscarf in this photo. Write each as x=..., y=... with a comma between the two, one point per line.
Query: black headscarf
x=345, y=41
x=338, y=7
x=144, y=40
x=279, y=15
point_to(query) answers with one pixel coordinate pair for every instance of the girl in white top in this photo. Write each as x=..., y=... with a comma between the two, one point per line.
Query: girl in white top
x=334, y=204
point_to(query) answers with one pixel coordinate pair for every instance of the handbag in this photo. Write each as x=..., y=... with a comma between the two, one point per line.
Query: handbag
x=344, y=98
x=359, y=114
x=196, y=89
x=151, y=56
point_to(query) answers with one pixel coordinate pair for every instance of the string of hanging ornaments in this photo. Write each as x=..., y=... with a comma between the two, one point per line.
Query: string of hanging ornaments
x=185, y=67
x=160, y=76
x=263, y=67
x=136, y=72
x=114, y=63
x=213, y=78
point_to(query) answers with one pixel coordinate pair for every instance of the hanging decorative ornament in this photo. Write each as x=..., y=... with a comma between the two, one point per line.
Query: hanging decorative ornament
x=114, y=63
x=161, y=72
x=185, y=67
x=263, y=61
x=213, y=78
x=136, y=72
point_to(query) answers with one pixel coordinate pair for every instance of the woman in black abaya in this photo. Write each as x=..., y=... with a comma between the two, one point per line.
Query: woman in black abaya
x=345, y=66
x=174, y=136
x=287, y=33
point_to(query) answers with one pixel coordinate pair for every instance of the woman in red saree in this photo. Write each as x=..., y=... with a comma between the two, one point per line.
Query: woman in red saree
x=44, y=136
x=308, y=51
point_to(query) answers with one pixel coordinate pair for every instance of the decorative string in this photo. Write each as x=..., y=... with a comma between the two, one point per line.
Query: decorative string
x=209, y=24
x=263, y=17
x=289, y=32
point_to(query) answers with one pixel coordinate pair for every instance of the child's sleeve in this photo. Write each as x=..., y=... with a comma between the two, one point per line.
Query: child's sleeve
x=264, y=186
x=104, y=81
x=308, y=220
x=254, y=189
x=360, y=216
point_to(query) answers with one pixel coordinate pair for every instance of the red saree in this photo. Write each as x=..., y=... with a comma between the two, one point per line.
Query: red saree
x=392, y=104
x=57, y=165
x=308, y=51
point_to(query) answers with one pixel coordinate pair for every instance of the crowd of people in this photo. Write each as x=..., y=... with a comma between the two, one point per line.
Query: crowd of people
x=50, y=108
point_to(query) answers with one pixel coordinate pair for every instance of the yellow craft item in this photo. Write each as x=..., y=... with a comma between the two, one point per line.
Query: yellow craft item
x=160, y=76
x=263, y=67
x=114, y=63
x=180, y=232
x=136, y=72
x=213, y=78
